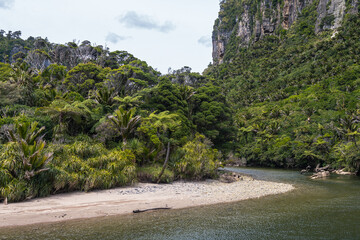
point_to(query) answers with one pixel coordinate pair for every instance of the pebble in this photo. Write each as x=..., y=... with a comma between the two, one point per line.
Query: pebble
x=208, y=188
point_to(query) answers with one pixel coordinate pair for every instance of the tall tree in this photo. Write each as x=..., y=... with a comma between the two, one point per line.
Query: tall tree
x=70, y=118
x=160, y=128
x=84, y=78
x=23, y=76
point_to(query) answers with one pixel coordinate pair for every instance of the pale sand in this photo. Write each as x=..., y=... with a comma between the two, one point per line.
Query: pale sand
x=124, y=200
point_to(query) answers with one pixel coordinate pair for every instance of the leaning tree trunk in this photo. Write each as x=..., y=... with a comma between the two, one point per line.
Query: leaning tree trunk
x=165, y=163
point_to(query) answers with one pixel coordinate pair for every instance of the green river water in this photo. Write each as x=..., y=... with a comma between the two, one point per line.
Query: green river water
x=316, y=209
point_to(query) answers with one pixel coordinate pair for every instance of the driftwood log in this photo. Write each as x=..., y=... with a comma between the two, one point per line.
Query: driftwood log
x=343, y=172
x=321, y=172
x=307, y=169
x=321, y=169
x=150, y=209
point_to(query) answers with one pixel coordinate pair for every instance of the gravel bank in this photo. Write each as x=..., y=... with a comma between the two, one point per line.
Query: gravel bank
x=141, y=196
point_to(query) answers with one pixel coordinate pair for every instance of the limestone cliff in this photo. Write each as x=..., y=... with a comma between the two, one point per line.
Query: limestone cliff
x=242, y=22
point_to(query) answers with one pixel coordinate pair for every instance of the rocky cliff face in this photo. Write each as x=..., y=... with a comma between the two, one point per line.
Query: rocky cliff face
x=291, y=11
x=246, y=21
x=330, y=14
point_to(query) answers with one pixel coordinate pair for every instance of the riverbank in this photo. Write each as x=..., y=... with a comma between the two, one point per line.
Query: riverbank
x=142, y=196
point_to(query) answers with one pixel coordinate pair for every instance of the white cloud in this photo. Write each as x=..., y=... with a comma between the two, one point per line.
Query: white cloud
x=133, y=20
x=62, y=23
x=114, y=38
x=206, y=41
x=6, y=3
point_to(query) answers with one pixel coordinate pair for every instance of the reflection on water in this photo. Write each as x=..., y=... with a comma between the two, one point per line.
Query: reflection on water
x=317, y=209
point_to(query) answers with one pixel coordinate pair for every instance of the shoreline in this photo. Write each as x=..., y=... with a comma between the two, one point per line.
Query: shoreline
x=121, y=201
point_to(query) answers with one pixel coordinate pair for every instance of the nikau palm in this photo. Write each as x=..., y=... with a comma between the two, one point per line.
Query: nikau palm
x=105, y=96
x=125, y=122
x=31, y=148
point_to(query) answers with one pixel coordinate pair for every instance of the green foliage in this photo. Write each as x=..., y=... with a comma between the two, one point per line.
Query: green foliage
x=70, y=118
x=5, y=72
x=160, y=126
x=53, y=75
x=128, y=80
x=129, y=102
x=348, y=156
x=289, y=99
x=157, y=132
x=167, y=96
x=199, y=161
x=328, y=20
x=23, y=76
x=14, y=191
x=72, y=97
x=9, y=41
x=125, y=122
x=84, y=77
x=305, y=26
x=22, y=161
x=212, y=116
x=105, y=96
x=30, y=147
x=9, y=94
x=87, y=166
x=295, y=95
x=229, y=11
x=184, y=76
x=118, y=58
x=151, y=174
x=71, y=89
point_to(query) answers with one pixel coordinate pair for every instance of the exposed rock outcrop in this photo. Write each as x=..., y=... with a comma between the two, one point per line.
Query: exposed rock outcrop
x=291, y=11
x=330, y=14
x=245, y=31
x=246, y=22
x=219, y=43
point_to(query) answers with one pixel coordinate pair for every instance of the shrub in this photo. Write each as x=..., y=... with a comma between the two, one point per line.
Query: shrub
x=151, y=174
x=199, y=160
x=86, y=166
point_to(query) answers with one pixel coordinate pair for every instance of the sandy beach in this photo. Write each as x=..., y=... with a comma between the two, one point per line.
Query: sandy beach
x=142, y=196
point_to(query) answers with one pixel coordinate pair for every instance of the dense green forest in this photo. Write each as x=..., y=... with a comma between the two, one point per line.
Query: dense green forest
x=77, y=116
x=295, y=94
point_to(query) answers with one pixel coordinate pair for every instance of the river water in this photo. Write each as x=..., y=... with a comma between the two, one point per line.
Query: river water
x=316, y=209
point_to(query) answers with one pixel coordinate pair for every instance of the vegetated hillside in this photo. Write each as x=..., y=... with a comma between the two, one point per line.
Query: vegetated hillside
x=77, y=116
x=292, y=76
x=283, y=91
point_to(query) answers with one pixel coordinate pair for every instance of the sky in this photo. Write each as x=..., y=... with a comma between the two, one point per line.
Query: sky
x=164, y=33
